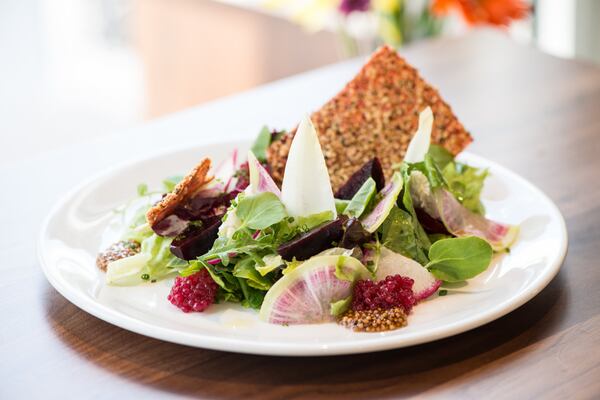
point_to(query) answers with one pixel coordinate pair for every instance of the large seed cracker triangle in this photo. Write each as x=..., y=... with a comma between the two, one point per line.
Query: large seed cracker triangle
x=376, y=114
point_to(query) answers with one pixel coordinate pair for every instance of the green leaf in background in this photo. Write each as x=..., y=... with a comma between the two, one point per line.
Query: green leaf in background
x=170, y=183
x=440, y=155
x=398, y=234
x=260, y=211
x=261, y=144
x=337, y=308
x=466, y=184
x=359, y=202
x=142, y=189
x=340, y=205
x=458, y=259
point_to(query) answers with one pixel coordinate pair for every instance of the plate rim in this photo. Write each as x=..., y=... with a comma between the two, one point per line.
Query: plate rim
x=237, y=345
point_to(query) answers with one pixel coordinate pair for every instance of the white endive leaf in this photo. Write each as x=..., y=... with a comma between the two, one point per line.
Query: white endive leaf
x=419, y=145
x=306, y=188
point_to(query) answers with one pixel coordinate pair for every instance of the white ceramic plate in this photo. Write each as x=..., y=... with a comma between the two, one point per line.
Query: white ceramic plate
x=76, y=230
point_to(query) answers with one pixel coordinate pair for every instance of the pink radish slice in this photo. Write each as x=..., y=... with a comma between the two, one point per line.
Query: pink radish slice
x=260, y=180
x=305, y=294
x=391, y=263
x=224, y=172
x=382, y=209
x=462, y=222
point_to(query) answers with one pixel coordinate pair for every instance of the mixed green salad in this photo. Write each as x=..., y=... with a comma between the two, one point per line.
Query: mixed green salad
x=299, y=254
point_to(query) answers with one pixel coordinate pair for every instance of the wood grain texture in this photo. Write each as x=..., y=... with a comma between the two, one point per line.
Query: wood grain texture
x=533, y=113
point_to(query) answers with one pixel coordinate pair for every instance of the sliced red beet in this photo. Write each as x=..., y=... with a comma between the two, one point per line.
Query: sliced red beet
x=204, y=206
x=430, y=224
x=371, y=169
x=196, y=240
x=314, y=241
x=354, y=234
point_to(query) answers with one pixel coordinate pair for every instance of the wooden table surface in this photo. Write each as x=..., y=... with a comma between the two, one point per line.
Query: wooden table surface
x=534, y=114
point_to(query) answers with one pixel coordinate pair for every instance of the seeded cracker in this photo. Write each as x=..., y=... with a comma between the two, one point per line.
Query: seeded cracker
x=376, y=114
x=185, y=189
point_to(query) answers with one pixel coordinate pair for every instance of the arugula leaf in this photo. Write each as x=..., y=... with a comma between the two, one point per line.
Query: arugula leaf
x=261, y=144
x=261, y=210
x=466, y=184
x=458, y=259
x=253, y=297
x=337, y=308
x=399, y=235
x=359, y=202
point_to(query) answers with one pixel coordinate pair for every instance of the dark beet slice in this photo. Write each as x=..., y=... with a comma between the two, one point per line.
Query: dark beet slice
x=196, y=240
x=430, y=224
x=314, y=241
x=354, y=234
x=371, y=169
x=172, y=225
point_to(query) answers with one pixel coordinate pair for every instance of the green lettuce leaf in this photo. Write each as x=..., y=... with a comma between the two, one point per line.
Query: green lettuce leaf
x=361, y=200
x=466, y=184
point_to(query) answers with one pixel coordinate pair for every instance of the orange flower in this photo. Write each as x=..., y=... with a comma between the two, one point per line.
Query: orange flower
x=481, y=12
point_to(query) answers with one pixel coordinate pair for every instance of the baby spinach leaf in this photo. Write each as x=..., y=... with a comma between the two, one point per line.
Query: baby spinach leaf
x=260, y=211
x=398, y=234
x=458, y=259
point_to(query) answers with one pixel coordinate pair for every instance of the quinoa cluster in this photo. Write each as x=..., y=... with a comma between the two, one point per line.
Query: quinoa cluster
x=377, y=320
x=118, y=250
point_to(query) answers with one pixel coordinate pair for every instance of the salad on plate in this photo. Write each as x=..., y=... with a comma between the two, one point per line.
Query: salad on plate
x=355, y=217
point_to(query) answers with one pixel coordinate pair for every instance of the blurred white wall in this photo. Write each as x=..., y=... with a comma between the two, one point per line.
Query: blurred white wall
x=64, y=77
x=569, y=28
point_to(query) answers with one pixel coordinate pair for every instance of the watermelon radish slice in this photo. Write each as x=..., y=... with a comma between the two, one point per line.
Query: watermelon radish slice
x=304, y=295
x=388, y=195
x=391, y=263
x=419, y=144
x=441, y=205
x=306, y=187
x=462, y=222
x=260, y=180
x=224, y=179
